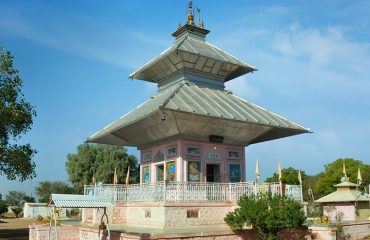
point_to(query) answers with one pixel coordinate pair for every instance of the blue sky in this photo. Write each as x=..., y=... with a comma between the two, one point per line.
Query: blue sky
x=75, y=57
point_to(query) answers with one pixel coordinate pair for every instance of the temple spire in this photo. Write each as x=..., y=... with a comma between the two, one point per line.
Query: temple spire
x=190, y=16
x=190, y=26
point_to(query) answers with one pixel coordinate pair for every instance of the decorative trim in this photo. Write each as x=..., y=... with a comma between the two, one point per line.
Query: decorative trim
x=147, y=156
x=233, y=154
x=159, y=157
x=171, y=151
x=194, y=151
x=213, y=155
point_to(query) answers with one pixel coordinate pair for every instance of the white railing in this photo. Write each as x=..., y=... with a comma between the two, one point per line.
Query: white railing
x=189, y=191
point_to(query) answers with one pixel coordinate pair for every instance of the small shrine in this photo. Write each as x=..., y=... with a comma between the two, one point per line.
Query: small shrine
x=347, y=203
x=192, y=135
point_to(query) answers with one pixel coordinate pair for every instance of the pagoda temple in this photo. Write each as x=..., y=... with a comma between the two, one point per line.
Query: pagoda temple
x=193, y=125
x=192, y=136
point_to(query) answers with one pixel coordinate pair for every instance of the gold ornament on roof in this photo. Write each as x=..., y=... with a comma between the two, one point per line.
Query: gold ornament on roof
x=190, y=17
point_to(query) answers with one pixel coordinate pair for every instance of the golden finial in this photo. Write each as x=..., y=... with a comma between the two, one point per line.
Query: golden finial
x=190, y=17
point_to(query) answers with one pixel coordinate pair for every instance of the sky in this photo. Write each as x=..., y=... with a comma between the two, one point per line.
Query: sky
x=313, y=60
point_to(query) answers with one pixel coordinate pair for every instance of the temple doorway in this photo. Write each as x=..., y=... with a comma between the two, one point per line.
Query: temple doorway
x=213, y=173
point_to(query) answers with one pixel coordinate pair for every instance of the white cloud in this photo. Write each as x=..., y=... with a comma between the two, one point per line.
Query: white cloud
x=86, y=41
x=241, y=87
x=322, y=48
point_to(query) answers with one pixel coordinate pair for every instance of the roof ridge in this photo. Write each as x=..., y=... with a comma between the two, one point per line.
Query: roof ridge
x=164, y=103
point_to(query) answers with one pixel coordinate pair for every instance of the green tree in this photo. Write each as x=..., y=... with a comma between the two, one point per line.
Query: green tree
x=267, y=214
x=334, y=172
x=3, y=207
x=290, y=176
x=17, y=211
x=102, y=160
x=16, y=118
x=15, y=198
x=46, y=188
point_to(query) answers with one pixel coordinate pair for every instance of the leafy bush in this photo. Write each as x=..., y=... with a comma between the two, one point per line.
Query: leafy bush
x=17, y=211
x=266, y=214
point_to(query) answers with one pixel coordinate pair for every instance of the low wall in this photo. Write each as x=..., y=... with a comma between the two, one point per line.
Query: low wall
x=357, y=230
x=354, y=230
x=163, y=214
x=41, y=232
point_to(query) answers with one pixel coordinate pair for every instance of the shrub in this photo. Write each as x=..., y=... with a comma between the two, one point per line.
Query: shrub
x=17, y=211
x=266, y=214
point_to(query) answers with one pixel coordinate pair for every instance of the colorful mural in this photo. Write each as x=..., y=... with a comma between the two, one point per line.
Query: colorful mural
x=160, y=173
x=194, y=171
x=234, y=173
x=171, y=172
x=146, y=174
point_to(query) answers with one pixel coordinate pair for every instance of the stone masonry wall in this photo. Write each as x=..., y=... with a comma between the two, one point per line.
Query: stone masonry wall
x=357, y=230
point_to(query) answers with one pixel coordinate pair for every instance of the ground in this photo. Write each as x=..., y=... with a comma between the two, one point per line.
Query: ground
x=15, y=228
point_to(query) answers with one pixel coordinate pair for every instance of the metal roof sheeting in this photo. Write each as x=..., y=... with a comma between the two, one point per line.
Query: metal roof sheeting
x=80, y=201
x=346, y=192
x=187, y=97
x=192, y=52
x=345, y=196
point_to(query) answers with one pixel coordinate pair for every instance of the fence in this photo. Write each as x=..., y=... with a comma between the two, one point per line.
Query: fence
x=190, y=191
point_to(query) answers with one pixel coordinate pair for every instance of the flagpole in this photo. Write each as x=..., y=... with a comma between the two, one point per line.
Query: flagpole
x=300, y=183
x=344, y=172
x=115, y=180
x=257, y=177
x=280, y=182
x=127, y=182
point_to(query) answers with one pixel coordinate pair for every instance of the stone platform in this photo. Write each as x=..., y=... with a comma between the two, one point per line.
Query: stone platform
x=163, y=214
x=120, y=232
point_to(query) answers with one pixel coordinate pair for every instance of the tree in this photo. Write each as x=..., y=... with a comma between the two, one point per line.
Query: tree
x=15, y=198
x=16, y=118
x=17, y=211
x=46, y=188
x=334, y=172
x=102, y=160
x=267, y=214
x=3, y=207
x=290, y=176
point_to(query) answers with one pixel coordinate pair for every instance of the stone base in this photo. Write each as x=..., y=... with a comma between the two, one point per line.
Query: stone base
x=163, y=214
x=39, y=232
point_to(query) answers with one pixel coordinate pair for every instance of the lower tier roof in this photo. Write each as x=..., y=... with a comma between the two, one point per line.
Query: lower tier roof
x=188, y=111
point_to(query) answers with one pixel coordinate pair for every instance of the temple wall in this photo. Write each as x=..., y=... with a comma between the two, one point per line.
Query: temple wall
x=332, y=209
x=195, y=156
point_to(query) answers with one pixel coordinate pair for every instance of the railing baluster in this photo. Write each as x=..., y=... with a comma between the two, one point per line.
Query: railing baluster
x=189, y=191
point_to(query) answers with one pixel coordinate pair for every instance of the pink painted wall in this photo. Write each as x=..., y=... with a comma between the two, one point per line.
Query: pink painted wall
x=332, y=209
x=210, y=153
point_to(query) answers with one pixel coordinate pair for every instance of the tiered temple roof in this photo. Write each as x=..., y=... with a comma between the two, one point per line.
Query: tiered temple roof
x=191, y=102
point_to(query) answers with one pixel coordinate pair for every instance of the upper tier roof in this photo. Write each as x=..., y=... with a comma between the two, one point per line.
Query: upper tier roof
x=192, y=52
